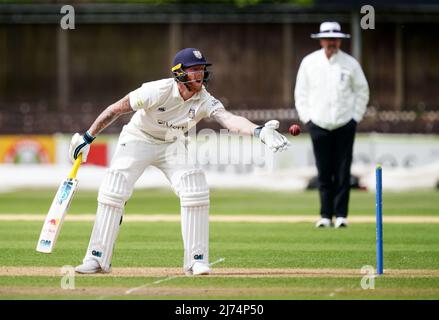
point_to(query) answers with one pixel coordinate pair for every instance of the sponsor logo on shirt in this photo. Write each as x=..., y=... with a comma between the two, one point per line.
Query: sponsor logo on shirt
x=214, y=102
x=170, y=125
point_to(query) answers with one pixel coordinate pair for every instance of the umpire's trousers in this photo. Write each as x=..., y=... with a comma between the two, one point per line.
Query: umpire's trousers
x=333, y=153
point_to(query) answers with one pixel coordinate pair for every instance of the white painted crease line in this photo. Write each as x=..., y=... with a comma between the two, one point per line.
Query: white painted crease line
x=217, y=261
x=131, y=290
x=225, y=218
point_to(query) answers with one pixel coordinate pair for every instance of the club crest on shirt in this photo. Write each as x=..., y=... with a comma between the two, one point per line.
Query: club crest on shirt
x=197, y=54
x=191, y=114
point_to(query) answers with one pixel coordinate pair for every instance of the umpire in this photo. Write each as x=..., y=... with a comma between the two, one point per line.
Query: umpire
x=331, y=96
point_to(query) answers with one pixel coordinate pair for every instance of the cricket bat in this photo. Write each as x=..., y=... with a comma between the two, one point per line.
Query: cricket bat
x=58, y=210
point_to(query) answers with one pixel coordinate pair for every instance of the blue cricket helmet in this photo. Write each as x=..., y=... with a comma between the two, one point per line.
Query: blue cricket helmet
x=186, y=58
x=189, y=57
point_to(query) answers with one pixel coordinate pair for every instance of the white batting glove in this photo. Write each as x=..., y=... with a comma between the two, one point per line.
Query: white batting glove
x=80, y=144
x=273, y=139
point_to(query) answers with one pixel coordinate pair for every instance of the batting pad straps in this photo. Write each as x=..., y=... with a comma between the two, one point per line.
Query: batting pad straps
x=194, y=199
x=193, y=189
x=114, y=189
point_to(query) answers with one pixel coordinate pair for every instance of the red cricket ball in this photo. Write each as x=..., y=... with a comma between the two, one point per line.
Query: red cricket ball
x=294, y=130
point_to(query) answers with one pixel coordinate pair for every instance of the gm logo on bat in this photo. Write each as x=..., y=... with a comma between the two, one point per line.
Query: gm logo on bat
x=45, y=243
x=65, y=191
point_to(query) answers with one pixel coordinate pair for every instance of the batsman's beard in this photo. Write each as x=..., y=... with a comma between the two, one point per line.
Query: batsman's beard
x=194, y=85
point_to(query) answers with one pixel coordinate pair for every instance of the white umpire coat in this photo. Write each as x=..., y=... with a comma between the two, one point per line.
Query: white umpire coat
x=330, y=92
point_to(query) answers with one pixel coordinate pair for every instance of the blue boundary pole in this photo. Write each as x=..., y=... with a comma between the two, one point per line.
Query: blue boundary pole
x=379, y=219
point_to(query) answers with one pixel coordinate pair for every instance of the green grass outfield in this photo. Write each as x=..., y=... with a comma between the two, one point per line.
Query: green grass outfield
x=229, y=202
x=261, y=260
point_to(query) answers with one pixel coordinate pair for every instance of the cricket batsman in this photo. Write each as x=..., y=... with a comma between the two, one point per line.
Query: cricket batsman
x=162, y=109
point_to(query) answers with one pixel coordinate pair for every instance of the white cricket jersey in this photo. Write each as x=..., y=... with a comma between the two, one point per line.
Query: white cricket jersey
x=162, y=114
x=330, y=92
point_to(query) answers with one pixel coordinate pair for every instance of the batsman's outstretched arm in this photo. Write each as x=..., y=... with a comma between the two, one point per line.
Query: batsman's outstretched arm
x=234, y=123
x=242, y=126
x=80, y=144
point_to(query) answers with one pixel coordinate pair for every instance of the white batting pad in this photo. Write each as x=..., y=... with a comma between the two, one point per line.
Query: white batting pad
x=193, y=189
x=194, y=199
x=114, y=189
x=111, y=200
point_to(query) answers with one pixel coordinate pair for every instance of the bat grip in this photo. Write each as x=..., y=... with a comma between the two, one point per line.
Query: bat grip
x=75, y=168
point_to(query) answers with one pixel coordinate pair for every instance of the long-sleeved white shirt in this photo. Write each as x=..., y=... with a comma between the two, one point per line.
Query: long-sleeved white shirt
x=330, y=92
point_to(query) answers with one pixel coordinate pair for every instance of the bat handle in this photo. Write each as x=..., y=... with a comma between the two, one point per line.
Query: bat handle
x=75, y=168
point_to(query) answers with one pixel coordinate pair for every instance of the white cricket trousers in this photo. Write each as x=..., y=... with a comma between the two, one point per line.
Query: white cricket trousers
x=130, y=160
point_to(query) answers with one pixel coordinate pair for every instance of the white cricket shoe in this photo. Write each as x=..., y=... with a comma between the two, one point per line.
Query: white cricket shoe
x=90, y=266
x=199, y=268
x=324, y=223
x=341, y=222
